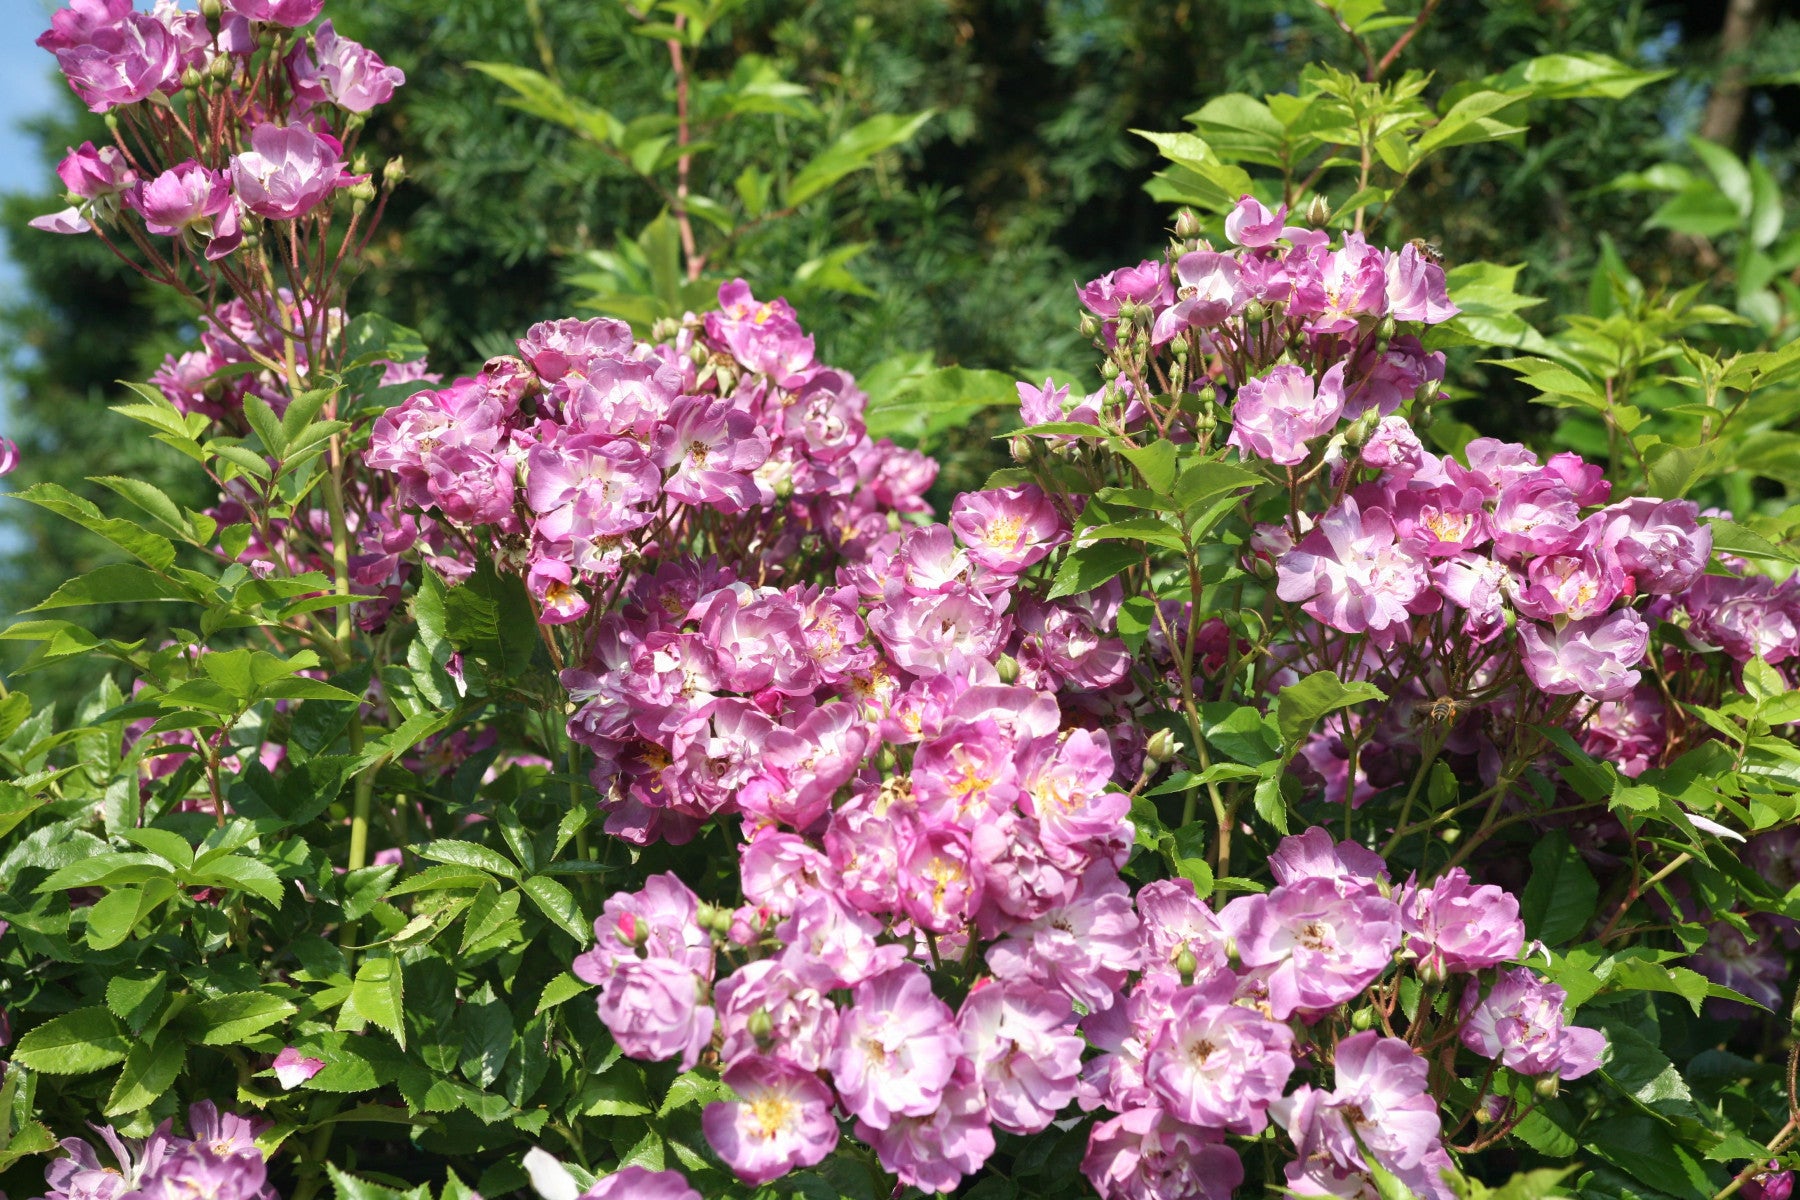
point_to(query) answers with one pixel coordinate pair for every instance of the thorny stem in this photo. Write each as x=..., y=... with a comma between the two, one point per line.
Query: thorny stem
x=1388, y=59
x=1775, y=1145
x=690, y=251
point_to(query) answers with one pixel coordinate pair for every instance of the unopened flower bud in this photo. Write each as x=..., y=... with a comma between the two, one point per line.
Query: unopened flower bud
x=1187, y=964
x=1187, y=225
x=664, y=329
x=703, y=913
x=887, y=759
x=1362, y=1018
x=364, y=191
x=220, y=67
x=1180, y=349
x=192, y=78
x=1256, y=312
x=1020, y=448
x=1262, y=568
x=212, y=10
x=1127, y=312
x=1318, y=211
x=1090, y=325
x=1547, y=1087
x=1007, y=668
x=721, y=921
x=394, y=174
x=1161, y=747
x=1385, y=330
x=1206, y=420
x=1109, y=370
x=697, y=354
x=761, y=1027
x=1357, y=436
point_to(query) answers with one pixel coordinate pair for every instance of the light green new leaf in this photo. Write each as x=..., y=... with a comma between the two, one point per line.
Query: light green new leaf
x=852, y=151
x=1301, y=704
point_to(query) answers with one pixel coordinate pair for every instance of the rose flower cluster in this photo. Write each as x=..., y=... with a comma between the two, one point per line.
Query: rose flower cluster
x=1200, y=1019
x=268, y=153
x=219, y=1158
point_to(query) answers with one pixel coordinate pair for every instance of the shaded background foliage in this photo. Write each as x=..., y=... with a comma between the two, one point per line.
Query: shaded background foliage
x=1028, y=181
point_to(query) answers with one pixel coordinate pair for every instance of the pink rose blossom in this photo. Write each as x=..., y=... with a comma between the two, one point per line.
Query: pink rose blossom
x=287, y=172
x=1026, y=1057
x=291, y=13
x=1520, y=1022
x=343, y=72
x=1145, y=1154
x=781, y=1119
x=190, y=198
x=934, y=1151
x=1008, y=529
x=1250, y=224
x=1323, y=947
x=1275, y=416
x=1353, y=571
x=293, y=1068
x=1594, y=657
x=1216, y=1063
x=1210, y=289
x=897, y=1048
x=1456, y=926
x=115, y=60
x=641, y=1183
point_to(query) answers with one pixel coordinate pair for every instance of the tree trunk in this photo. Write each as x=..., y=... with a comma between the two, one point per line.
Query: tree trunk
x=1725, y=107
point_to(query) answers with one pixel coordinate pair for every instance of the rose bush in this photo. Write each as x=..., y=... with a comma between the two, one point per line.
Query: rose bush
x=601, y=772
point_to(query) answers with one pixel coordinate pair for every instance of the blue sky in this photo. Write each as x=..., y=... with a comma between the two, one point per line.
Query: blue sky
x=30, y=86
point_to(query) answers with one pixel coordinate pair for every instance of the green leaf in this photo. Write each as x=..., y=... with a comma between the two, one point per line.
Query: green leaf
x=165, y=844
x=561, y=990
x=556, y=902
x=150, y=1070
x=119, y=583
x=1155, y=462
x=489, y=913
x=439, y=878
x=135, y=1000
x=349, y=1187
x=1576, y=76
x=1204, y=480
x=110, y=918
x=1559, y=897
x=1137, y=616
x=487, y=1036
x=1301, y=704
x=470, y=854
x=151, y=549
x=1154, y=531
x=854, y=150
x=693, y=1089
x=1087, y=567
x=73, y=1044
x=923, y=405
x=378, y=995
x=1540, y=1184
x=235, y=1018
x=1728, y=171
x=238, y=872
